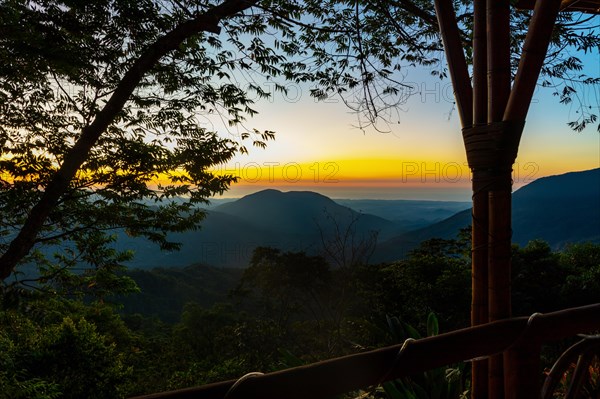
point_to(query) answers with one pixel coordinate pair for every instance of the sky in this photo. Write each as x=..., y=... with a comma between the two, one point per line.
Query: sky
x=319, y=147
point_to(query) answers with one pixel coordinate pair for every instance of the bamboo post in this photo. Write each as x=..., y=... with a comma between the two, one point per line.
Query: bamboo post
x=523, y=361
x=492, y=133
x=532, y=58
x=480, y=95
x=498, y=50
x=523, y=371
x=499, y=252
x=479, y=282
x=479, y=222
x=498, y=47
x=457, y=63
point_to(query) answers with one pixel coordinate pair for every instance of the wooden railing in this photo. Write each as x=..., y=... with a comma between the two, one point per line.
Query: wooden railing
x=520, y=340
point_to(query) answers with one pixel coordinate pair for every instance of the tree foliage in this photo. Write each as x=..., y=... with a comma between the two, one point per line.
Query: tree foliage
x=364, y=49
x=52, y=348
x=285, y=285
x=106, y=119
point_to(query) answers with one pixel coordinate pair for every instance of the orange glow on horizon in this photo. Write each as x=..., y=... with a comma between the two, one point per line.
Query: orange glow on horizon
x=384, y=172
x=348, y=170
x=370, y=174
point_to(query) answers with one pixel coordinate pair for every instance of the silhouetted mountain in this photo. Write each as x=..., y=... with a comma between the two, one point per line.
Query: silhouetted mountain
x=558, y=209
x=291, y=221
x=300, y=213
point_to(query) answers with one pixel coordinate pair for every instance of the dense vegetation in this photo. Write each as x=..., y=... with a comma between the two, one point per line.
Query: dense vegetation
x=285, y=309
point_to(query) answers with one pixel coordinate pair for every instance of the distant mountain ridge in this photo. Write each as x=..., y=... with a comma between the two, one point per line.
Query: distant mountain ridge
x=292, y=221
x=559, y=209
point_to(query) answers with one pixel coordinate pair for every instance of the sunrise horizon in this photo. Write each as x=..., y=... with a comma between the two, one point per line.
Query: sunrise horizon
x=437, y=182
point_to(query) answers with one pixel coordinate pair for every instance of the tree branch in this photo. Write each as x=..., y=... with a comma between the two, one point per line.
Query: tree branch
x=205, y=22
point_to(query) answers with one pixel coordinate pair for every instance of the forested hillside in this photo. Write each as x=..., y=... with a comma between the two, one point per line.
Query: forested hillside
x=201, y=324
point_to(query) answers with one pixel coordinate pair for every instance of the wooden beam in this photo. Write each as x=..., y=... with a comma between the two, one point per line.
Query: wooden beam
x=479, y=282
x=479, y=222
x=457, y=63
x=532, y=58
x=498, y=46
x=480, y=96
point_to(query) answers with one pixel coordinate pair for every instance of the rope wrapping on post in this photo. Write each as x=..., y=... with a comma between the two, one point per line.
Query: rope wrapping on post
x=491, y=151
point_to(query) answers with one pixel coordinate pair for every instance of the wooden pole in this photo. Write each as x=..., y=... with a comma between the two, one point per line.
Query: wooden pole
x=532, y=59
x=457, y=63
x=522, y=362
x=491, y=103
x=480, y=96
x=523, y=371
x=492, y=184
x=499, y=78
x=479, y=222
x=479, y=284
x=498, y=47
x=499, y=252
